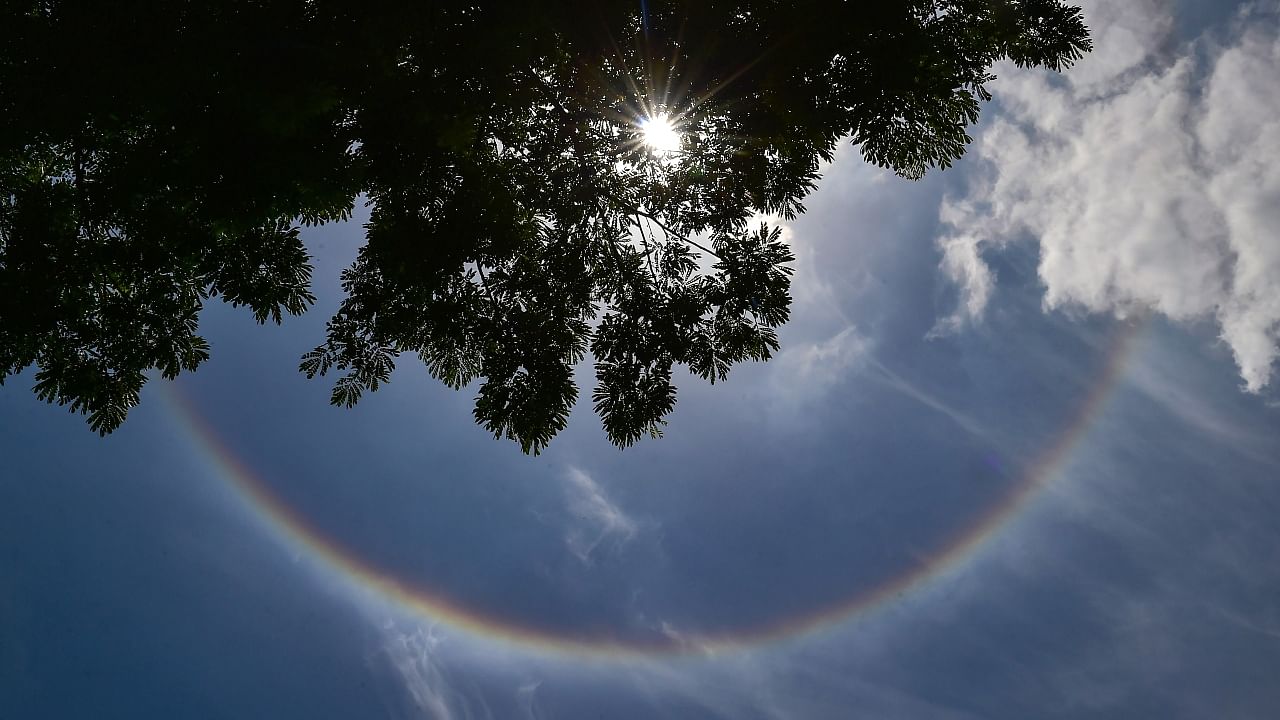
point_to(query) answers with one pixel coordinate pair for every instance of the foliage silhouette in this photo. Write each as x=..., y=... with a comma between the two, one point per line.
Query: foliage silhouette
x=156, y=155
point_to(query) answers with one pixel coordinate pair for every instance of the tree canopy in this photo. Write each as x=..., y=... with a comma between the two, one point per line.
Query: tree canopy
x=155, y=155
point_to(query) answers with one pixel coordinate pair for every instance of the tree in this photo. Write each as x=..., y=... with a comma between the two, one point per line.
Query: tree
x=156, y=155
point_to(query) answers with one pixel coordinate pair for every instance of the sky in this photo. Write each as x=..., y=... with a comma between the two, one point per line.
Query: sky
x=1016, y=459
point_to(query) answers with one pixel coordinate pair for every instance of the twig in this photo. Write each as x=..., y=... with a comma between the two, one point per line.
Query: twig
x=648, y=251
x=678, y=236
x=484, y=282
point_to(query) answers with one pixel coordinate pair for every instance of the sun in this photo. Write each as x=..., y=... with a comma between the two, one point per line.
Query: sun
x=660, y=134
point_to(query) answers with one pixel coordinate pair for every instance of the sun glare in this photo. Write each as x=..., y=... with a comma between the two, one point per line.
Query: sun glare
x=660, y=134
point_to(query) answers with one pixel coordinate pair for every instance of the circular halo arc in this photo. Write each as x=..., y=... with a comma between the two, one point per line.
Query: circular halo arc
x=295, y=530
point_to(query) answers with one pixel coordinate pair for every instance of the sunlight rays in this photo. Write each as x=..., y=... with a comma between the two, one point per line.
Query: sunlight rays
x=660, y=134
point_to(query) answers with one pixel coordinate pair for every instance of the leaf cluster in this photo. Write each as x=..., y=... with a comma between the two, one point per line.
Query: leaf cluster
x=154, y=156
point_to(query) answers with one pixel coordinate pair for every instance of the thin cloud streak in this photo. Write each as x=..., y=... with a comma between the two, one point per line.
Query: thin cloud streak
x=893, y=380
x=600, y=519
x=427, y=692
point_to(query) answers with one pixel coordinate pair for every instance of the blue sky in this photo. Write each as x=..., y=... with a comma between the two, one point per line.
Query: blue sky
x=947, y=336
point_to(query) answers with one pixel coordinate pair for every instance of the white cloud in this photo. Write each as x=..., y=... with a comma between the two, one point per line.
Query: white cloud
x=817, y=365
x=428, y=692
x=1126, y=33
x=527, y=700
x=1149, y=180
x=807, y=370
x=436, y=677
x=962, y=262
x=785, y=686
x=601, y=519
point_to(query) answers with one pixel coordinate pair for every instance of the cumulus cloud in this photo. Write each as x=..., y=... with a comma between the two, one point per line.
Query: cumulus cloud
x=1148, y=178
x=601, y=519
x=963, y=263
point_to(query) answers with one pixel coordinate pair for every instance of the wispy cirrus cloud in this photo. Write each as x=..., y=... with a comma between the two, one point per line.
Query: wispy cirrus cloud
x=600, y=519
x=428, y=692
x=805, y=370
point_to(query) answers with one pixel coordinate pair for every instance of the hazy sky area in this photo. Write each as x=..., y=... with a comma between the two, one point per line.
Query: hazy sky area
x=1017, y=459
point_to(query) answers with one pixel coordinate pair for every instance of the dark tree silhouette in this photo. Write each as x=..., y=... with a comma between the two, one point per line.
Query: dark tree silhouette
x=154, y=155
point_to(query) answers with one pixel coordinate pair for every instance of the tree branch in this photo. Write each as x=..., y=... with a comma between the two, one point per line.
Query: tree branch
x=674, y=234
x=484, y=283
x=648, y=251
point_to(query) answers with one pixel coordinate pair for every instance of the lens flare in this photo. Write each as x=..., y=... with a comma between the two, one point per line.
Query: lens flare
x=660, y=134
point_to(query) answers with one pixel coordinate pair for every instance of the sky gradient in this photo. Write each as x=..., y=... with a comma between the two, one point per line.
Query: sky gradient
x=1016, y=459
